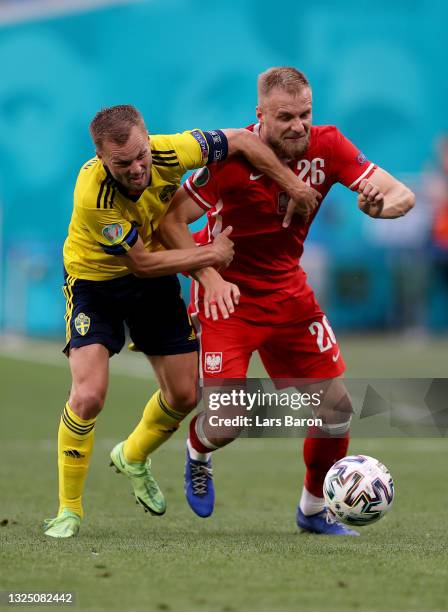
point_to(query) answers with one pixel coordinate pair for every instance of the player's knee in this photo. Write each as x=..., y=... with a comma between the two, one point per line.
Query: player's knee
x=182, y=399
x=336, y=412
x=344, y=407
x=87, y=403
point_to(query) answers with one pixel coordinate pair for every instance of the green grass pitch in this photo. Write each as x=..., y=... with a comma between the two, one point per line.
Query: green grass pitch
x=249, y=555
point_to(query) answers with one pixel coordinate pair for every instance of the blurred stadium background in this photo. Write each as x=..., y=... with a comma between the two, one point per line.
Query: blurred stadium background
x=186, y=63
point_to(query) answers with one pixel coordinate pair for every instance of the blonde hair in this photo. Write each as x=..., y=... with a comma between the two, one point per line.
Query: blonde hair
x=286, y=78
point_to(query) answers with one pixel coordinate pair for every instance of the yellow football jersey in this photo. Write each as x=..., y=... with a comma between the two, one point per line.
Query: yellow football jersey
x=107, y=222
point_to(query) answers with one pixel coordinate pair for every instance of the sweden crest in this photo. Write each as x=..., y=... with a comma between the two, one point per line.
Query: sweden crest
x=167, y=193
x=82, y=324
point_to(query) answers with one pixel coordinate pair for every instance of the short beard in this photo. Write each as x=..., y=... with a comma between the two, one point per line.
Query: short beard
x=295, y=151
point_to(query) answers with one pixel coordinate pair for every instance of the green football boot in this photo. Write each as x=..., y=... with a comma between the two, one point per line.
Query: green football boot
x=146, y=490
x=65, y=525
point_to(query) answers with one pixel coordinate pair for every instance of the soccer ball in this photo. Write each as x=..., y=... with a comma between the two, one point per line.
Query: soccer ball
x=358, y=490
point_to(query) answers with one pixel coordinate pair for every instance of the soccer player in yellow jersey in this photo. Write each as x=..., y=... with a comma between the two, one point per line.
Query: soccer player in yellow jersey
x=117, y=273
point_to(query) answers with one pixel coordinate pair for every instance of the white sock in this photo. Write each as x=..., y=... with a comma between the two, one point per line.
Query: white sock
x=195, y=455
x=336, y=429
x=310, y=504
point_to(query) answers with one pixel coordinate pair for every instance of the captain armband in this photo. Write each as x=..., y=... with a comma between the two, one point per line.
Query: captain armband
x=213, y=143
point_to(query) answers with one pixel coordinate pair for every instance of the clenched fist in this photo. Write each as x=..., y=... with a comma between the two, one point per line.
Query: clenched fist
x=370, y=199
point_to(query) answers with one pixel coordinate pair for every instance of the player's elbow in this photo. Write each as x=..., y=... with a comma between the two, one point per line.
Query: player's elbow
x=410, y=199
x=407, y=200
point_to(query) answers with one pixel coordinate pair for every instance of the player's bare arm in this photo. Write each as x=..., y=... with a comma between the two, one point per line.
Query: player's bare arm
x=304, y=199
x=142, y=262
x=220, y=296
x=383, y=196
x=173, y=229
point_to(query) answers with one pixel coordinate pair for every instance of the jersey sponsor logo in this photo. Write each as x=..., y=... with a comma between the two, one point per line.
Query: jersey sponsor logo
x=201, y=177
x=113, y=233
x=82, y=324
x=361, y=159
x=213, y=362
x=167, y=193
x=282, y=205
x=254, y=177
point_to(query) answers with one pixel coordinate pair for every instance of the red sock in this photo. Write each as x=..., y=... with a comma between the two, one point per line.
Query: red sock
x=319, y=454
x=194, y=440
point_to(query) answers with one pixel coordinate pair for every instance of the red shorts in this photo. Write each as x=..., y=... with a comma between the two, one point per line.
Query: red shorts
x=291, y=333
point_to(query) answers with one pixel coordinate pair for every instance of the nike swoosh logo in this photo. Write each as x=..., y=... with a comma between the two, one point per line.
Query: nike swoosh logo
x=254, y=177
x=336, y=357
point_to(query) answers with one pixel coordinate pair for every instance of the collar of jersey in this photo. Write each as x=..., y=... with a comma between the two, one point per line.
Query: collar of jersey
x=134, y=197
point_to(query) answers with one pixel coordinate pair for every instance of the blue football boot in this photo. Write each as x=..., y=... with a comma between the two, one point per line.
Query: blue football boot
x=322, y=523
x=199, y=488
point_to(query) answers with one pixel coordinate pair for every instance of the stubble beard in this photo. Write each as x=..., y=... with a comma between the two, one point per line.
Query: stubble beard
x=291, y=150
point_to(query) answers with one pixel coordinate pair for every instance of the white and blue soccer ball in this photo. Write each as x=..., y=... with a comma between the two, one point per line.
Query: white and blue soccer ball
x=358, y=490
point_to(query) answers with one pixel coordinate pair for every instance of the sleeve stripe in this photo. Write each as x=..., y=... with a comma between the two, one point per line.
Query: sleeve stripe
x=197, y=198
x=162, y=163
x=359, y=179
x=166, y=158
x=132, y=236
x=116, y=249
x=124, y=246
x=156, y=151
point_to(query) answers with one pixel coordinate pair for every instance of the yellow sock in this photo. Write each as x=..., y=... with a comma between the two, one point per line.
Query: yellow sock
x=75, y=444
x=158, y=423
